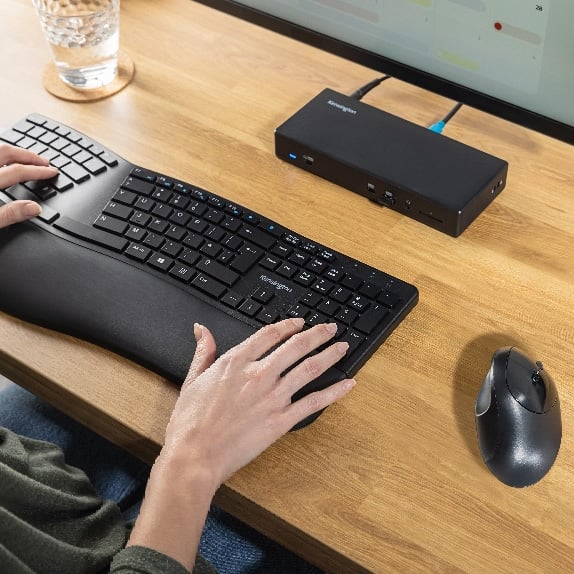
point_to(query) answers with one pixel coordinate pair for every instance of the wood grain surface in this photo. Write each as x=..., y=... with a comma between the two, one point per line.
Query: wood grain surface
x=390, y=479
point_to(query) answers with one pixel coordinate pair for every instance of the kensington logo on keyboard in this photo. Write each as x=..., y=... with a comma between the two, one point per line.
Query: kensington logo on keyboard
x=343, y=108
x=276, y=284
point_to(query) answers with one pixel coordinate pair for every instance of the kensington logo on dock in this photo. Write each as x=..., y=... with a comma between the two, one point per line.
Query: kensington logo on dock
x=343, y=108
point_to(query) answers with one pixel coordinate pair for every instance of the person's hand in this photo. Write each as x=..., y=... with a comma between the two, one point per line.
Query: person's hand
x=232, y=409
x=228, y=412
x=18, y=165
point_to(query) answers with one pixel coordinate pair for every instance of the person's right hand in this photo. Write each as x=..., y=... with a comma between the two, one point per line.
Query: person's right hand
x=231, y=409
x=17, y=165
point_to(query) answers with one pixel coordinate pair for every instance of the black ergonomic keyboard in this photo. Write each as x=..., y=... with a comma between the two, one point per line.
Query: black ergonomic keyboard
x=129, y=259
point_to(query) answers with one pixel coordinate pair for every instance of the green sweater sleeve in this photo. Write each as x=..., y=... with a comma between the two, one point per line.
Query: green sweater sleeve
x=141, y=560
x=52, y=520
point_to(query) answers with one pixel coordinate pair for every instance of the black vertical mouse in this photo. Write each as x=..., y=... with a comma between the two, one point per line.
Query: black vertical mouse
x=518, y=419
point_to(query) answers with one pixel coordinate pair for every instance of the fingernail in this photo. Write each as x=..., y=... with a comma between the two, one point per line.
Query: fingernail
x=32, y=209
x=332, y=328
x=198, y=332
x=342, y=347
x=349, y=384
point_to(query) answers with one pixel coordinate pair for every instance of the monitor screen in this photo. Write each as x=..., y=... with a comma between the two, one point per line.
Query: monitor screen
x=511, y=58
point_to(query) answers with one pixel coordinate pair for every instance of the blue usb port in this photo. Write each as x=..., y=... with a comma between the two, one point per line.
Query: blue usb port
x=292, y=156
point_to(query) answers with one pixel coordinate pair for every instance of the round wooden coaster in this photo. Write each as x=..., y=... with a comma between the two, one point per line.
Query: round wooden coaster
x=58, y=88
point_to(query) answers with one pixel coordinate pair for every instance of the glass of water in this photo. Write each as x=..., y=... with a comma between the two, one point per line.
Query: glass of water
x=84, y=37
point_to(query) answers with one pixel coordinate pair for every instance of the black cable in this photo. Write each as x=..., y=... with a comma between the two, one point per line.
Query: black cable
x=439, y=126
x=358, y=94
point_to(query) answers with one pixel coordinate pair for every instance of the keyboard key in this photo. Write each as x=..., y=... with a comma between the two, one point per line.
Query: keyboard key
x=95, y=166
x=140, y=218
x=124, y=196
x=351, y=281
x=298, y=311
x=316, y=266
x=328, y=307
x=108, y=158
x=211, y=249
x=359, y=303
x=71, y=149
x=171, y=248
x=158, y=225
x=189, y=257
x=369, y=320
x=267, y=317
x=161, y=209
x=118, y=210
x=12, y=137
x=208, y=285
x=389, y=299
x=76, y=172
x=315, y=318
x=48, y=215
x=179, y=202
x=138, y=252
x=48, y=138
x=370, y=290
x=287, y=270
x=354, y=338
x=21, y=192
x=138, y=186
x=246, y=258
x=232, y=299
x=111, y=224
x=217, y=271
x=36, y=132
x=144, y=203
x=24, y=126
x=193, y=241
x=49, y=154
x=311, y=299
x=90, y=234
x=60, y=161
x=263, y=295
x=270, y=262
x=154, y=240
x=160, y=262
x=83, y=157
x=346, y=315
x=182, y=272
x=256, y=236
x=141, y=173
x=322, y=286
x=250, y=308
x=136, y=233
x=161, y=194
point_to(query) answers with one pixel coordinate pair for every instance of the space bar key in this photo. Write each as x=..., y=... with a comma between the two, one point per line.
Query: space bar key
x=90, y=234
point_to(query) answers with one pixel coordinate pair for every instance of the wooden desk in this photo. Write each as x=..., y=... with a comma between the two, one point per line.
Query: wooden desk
x=390, y=479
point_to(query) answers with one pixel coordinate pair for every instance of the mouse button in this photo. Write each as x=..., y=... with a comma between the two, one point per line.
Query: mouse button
x=528, y=383
x=484, y=398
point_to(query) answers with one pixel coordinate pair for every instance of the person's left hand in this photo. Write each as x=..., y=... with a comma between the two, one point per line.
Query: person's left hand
x=19, y=165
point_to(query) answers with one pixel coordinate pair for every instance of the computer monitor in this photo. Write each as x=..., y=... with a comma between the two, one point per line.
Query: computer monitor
x=510, y=58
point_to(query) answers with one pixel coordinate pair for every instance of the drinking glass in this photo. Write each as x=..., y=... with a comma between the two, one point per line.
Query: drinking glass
x=84, y=37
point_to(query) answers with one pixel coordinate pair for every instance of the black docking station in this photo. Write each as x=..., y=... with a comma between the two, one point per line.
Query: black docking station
x=391, y=161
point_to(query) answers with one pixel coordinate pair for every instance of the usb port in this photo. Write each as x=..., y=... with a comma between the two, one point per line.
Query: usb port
x=388, y=198
x=308, y=159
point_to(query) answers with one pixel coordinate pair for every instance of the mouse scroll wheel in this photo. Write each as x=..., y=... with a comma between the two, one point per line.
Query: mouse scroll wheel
x=536, y=378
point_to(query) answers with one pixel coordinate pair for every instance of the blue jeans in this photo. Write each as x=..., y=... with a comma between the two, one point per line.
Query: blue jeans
x=231, y=546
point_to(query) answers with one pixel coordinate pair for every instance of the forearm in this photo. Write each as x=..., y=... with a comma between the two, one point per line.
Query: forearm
x=176, y=503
